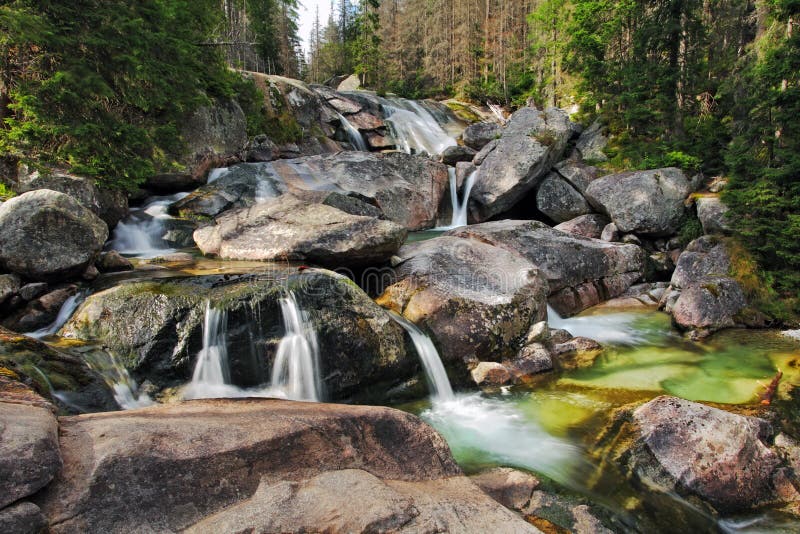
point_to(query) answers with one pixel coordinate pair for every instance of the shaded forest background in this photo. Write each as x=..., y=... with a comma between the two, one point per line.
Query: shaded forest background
x=100, y=86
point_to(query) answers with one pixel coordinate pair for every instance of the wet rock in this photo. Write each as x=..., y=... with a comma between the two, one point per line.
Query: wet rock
x=406, y=188
x=557, y=199
x=29, y=455
x=22, y=518
x=576, y=353
x=112, y=262
x=510, y=487
x=533, y=359
x=154, y=328
x=261, y=149
x=528, y=147
x=478, y=135
x=477, y=301
x=290, y=229
x=275, y=466
x=40, y=312
x=491, y=374
x=377, y=141
x=566, y=513
x=643, y=202
x=687, y=447
x=591, y=143
x=48, y=235
x=9, y=286
x=712, y=214
x=580, y=272
x=364, y=120
x=590, y=225
x=453, y=154
x=484, y=152
x=111, y=205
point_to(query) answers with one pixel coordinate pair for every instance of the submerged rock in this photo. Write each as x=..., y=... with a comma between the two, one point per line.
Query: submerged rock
x=581, y=272
x=528, y=147
x=48, y=235
x=477, y=301
x=155, y=328
x=289, y=229
x=643, y=202
x=263, y=466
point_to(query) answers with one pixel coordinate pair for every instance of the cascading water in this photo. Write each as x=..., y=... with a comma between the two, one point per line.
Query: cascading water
x=141, y=234
x=460, y=206
x=439, y=384
x=353, y=135
x=211, y=377
x=66, y=311
x=414, y=129
x=295, y=372
x=617, y=328
x=124, y=388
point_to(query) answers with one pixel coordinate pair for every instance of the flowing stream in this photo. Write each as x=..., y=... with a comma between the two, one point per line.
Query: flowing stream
x=353, y=135
x=459, y=205
x=414, y=129
x=141, y=234
x=66, y=311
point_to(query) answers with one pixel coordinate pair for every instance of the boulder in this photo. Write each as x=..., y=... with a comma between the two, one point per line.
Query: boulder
x=155, y=328
x=591, y=225
x=610, y=233
x=712, y=214
x=533, y=359
x=48, y=235
x=33, y=290
x=581, y=272
x=263, y=466
x=406, y=188
x=453, y=154
x=675, y=445
x=10, y=284
x=528, y=147
x=478, y=301
x=643, y=202
x=29, y=454
x=484, y=152
x=592, y=142
x=510, y=487
x=577, y=174
x=22, y=518
x=291, y=229
x=491, y=374
x=559, y=200
x=111, y=205
x=261, y=149
x=41, y=311
x=478, y=135
x=112, y=262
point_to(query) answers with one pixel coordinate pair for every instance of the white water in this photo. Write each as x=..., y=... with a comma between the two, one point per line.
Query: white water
x=211, y=377
x=616, y=328
x=66, y=311
x=216, y=174
x=353, y=135
x=439, y=384
x=124, y=388
x=141, y=234
x=295, y=372
x=460, y=206
x=414, y=129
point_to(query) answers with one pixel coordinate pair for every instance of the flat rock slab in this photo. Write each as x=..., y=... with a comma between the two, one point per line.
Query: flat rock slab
x=265, y=465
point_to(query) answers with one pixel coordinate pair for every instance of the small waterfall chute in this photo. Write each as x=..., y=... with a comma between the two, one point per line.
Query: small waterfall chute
x=64, y=313
x=460, y=205
x=211, y=376
x=141, y=234
x=353, y=135
x=295, y=373
x=439, y=384
x=123, y=387
x=414, y=129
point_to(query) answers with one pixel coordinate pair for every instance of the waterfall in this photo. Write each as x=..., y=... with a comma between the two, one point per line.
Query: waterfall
x=414, y=129
x=66, y=311
x=295, y=372
x=459, y=216
x=439, y=384
x=211, y=377
x=353, y=135
x=141, y=234
x=617, y=328
x=124, y=388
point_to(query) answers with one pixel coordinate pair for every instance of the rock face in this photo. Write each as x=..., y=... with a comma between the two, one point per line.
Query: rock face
x=407, y=189
x=22, y=518
x=108, y=204
x=586, y=225
x=40, y=312
x=29, y=455
x=478, y=301
x=155, y=328
x=453, y=154
x=277, y=467
x=580, y=272
x=529, y=146
x=694, y=449
x=48, y=235
x=701, y=296
x=290, y=229
x=557, y=199
x=642, y=202
x=591, y=143
x=712, y=214
x=478, y=135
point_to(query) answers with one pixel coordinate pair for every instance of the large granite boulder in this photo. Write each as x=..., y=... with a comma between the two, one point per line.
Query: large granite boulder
x=591, y=225
x=477, y=301
x=559, y=200
x=291, y=229
x=263, y=466
x=643, y=202
x=155, y=328
x=528, y=147
x=29, y=455
x=47, y=235
x=713, y=215
x=407, y=189
x=592, y=142
x=674, y=445
x=478, y=135
x=580, y=272
x=111, y=205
